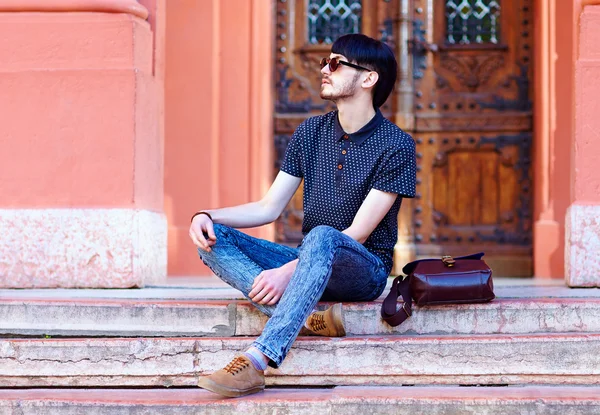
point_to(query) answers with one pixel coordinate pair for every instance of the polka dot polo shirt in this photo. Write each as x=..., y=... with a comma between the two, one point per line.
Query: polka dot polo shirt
x=340, y=169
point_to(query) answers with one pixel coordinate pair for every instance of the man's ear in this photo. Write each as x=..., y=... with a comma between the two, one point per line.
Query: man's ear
x=370, y=80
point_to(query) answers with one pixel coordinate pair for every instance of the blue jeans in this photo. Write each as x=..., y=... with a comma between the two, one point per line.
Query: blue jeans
x=331, y=267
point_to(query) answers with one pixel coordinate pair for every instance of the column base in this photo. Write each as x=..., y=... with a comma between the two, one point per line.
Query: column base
x=582, y=249
x=82, y=248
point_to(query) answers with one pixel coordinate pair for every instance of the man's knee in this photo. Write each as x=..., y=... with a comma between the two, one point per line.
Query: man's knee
x=221, y=233
x=221, y=230
x=322, y=234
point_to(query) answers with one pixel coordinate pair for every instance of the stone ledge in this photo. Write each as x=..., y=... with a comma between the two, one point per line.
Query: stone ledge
x=474, y=360
x=98, y=248
x=216, y=318
x=340, y=400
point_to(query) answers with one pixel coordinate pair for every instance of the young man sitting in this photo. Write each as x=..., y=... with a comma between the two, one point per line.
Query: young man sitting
x=357, y=166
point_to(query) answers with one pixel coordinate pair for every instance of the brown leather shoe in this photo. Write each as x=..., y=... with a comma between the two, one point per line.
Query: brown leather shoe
x=329, y=323
x=238, y=378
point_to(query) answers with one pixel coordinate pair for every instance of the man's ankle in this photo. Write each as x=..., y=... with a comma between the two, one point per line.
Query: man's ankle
x=258, y=359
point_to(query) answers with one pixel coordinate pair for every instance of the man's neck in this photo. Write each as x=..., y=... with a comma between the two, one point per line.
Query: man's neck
x=353, y=117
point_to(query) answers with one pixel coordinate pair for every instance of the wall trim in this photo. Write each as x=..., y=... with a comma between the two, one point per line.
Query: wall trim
x=103, y=6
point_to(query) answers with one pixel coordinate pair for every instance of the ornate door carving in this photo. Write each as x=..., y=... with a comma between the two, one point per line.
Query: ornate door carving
x=472, y=124
x=305, y=30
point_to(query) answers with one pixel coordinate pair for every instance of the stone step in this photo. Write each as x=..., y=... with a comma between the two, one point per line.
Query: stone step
x=369, y=360
x=546, y=400
x=130, y=317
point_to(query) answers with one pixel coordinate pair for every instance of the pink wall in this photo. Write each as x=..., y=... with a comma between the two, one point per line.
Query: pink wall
x=61, y=82
x=585, y=150
x=553, y=117
x=217, y=116
x=563, y=138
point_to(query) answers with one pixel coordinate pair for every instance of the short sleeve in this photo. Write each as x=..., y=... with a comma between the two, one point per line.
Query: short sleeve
x=398, y=171
x=292, y=161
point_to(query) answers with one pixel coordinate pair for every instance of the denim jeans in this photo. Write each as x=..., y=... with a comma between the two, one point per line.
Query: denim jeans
x=331, y=267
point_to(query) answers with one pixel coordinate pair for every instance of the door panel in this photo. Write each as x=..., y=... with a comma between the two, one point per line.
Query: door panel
x=472, y=125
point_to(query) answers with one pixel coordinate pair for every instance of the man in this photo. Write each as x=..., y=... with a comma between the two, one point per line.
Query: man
x=357, y=166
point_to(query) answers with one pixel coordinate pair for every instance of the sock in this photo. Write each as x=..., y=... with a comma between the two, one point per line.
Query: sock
x=256, y=359
x=306, y=322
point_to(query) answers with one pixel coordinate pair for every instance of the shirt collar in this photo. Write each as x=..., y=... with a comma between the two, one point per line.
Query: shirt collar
x=361, y=135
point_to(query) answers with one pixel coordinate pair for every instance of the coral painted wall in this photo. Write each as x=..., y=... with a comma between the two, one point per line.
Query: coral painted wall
x=218, y=118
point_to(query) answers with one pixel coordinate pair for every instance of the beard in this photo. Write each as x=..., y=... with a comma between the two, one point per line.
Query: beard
x=347, y=90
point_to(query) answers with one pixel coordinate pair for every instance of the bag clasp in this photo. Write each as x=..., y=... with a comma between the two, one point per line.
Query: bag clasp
x=448, y=261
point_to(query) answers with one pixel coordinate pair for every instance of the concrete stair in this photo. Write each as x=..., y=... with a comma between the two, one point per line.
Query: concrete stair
x=217, y=318
x=367, y=360
x=545, y=336
x=220, y=312
x=548, y=400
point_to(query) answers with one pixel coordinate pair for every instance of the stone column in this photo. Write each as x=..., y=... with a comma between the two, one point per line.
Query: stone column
x=81, y=166
x=582, y=256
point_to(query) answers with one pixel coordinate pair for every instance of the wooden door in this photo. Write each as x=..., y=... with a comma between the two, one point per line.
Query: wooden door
x=305, y=30
x=473, y=128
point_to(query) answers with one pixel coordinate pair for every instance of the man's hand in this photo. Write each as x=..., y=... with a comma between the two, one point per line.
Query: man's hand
x=202, y=225
x=270, y=284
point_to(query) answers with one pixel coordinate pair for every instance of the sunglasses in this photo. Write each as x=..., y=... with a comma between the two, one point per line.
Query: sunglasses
x=334, y=63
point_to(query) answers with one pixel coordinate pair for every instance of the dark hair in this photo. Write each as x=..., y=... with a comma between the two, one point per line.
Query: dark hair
x=373, y=54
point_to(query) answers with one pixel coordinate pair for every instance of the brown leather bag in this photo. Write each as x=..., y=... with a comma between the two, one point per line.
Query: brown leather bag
x=466, y=279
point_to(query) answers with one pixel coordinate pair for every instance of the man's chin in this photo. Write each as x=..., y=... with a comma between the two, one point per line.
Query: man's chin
x=326, y=96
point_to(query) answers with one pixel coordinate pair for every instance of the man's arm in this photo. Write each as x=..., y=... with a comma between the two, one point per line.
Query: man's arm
x=372, y=211
x=248, y=215
x=265, y=210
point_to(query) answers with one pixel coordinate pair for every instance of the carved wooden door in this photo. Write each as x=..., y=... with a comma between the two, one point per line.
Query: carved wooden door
x=472, y=125
x=305, y=30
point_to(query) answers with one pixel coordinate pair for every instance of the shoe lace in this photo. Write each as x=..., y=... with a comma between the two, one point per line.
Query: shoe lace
x=236, y=365
x=317, y=322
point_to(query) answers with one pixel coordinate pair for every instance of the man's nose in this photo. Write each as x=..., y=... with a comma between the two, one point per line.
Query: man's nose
x=325, y=70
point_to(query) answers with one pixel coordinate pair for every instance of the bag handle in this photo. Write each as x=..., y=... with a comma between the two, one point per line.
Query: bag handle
x=388, y=309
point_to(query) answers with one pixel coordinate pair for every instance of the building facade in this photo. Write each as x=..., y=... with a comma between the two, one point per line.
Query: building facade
x=127, y=117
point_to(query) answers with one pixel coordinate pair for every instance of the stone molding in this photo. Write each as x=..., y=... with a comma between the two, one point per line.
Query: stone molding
x=590, y=3
x=101, y=6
